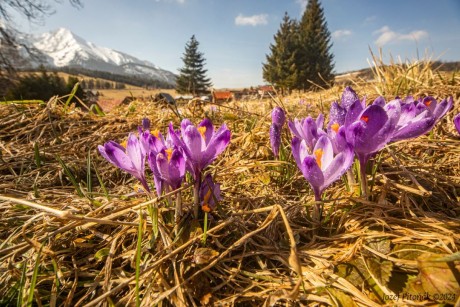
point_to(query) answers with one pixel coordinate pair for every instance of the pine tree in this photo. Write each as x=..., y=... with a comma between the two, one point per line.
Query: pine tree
x=280, y=68
x=192, y=78
x=315, y=60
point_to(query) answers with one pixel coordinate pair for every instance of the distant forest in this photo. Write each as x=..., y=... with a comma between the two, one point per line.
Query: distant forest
x=131, y=80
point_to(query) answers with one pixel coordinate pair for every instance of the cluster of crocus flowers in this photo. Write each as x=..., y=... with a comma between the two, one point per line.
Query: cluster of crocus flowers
x=357, y=129
x=191, y=148
x=278, y=120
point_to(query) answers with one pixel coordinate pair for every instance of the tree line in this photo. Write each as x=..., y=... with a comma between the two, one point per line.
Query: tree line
x=300, y=57
x=42, y=86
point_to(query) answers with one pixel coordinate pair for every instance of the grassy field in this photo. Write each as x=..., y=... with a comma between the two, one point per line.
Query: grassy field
x=74, y=231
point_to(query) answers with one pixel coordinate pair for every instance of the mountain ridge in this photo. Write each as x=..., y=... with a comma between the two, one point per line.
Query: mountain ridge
x=62, y=49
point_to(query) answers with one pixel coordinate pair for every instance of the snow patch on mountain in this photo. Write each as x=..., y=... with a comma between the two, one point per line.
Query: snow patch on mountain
x=61, y=48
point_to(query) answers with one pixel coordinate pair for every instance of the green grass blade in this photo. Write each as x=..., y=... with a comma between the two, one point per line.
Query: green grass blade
x=96, y=110
x=71, y=95
x=33, y=282
x=37, y=158
x=71, y=177
x=101, y=182
x=89, y=183
x=21, y=285
x=138, y=257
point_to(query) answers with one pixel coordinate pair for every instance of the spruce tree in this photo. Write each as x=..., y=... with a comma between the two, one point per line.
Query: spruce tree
x=280, y=68
x=192, y=78
x=315, y=60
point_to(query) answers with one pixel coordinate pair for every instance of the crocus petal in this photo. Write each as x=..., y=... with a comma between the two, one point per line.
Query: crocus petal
x=442, y=108
x=119, y=158
x=380, y=101
x=320, y=121
x=408, y=112
x=145, y=141
x=349, y=97
x=430, y=103
x=339, y=165
x=157, y=144
x=209, y=198
x=296, y=128
x=353, y=113
x=295, y=148
x=338, y=139
x=208, y=129
x=412, y=127
x=185, y=123
x=194, y=143
x=278, y=116
x=336, y=115
x=275, y=139
x=103, y=153
x=323, y=152
x=176, y=168
x=311, y=171
x=156, y=174
x=216, y=146
x=177, y=140
x=134, y=152
x=310, y=132
x=162, y=166
x=457, y=122
x=146, y=124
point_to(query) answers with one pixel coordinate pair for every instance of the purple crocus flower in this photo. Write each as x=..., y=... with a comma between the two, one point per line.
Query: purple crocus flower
x=419, y=117
x=201, y=144
x=370, y=129
x=308, y=129
x=321, y=168
x=278, y=116
x=457, y=122
x=437, y=109
x=131, y=159
x=168, y=165
x=278, y=120
x=209, y=194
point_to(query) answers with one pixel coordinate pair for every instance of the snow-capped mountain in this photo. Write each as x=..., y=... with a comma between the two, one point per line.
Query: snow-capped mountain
x=62, y=48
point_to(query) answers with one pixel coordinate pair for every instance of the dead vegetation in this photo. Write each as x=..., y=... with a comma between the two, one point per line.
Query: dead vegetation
x=70, y=222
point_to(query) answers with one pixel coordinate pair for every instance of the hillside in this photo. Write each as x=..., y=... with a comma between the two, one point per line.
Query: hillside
x=62, y=50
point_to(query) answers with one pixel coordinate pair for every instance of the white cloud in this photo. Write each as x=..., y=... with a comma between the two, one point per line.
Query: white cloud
x=386, y=36
x=303, y=5
x=342, y=33
x=254, y=20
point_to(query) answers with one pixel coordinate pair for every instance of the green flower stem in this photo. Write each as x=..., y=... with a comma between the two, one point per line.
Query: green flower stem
x=205, y=228
x=196, y=196
x=178, y=211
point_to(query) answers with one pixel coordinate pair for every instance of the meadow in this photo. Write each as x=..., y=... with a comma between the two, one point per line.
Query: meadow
x=77, y=231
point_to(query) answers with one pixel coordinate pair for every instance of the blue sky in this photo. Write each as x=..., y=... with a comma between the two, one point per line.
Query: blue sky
x=235, y=35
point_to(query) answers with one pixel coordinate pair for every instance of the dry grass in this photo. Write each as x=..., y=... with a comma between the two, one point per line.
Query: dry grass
x=58, y=248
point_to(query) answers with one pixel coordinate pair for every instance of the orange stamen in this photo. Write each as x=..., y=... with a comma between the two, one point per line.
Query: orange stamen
x=206, y=199
x=156, y=133
x=428, y=102
x=206, y=208
x=365, y=118
x=318, y=155
x=169, y=153
x=202, y=131
x=335, y=127
x=124, y=143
